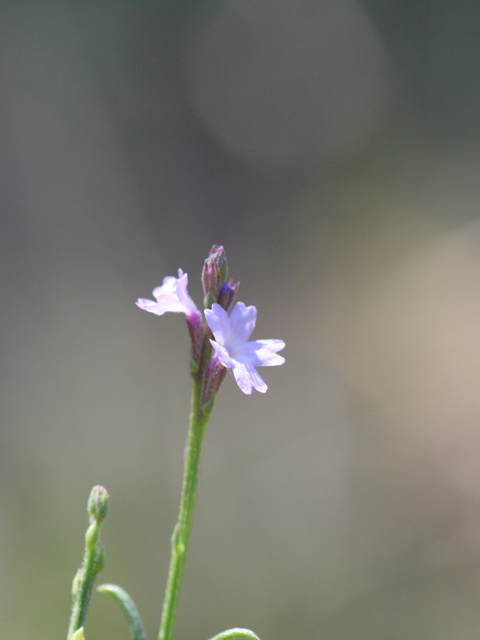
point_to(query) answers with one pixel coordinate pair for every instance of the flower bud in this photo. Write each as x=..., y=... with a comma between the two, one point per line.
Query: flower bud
x=227, y=294
x=98, y=504
x=215, y=271
x=92, y=536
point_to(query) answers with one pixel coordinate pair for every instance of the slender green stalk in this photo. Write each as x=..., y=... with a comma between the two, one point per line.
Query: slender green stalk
x=93, y=561
x=199, y=415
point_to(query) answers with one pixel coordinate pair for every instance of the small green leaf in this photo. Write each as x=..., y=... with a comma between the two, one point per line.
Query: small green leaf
x=78, y=635
x=128, y=607
x=229, y=634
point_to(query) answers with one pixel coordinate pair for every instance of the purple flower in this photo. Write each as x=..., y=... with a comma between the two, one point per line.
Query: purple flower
x=234, y=352
x=171, y=296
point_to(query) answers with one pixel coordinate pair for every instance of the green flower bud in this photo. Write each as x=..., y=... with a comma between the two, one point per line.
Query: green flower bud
x=98, y=504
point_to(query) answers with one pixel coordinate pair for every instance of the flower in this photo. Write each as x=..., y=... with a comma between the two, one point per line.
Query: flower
x=234, y=352
x=171, y=296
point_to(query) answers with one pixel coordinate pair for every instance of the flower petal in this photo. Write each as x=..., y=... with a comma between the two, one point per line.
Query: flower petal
x=181, y=290
x=145, y=304
x=167, y=289
x=242, y=321
x=247, y=377
x=219, y=323
x=222, y=354
x=261, y=353
x=243, y=378
x=257, y=380
x=166, y=303
x=272, y=345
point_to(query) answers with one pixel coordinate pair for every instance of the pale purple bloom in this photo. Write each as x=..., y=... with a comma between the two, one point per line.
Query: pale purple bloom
x=171, y=296
x=234, y=352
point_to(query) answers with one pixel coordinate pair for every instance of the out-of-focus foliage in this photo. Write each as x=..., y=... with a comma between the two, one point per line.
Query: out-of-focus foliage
x=333, y=148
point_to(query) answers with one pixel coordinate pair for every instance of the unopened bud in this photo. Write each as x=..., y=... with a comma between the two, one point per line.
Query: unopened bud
x=92, y=535
x=98, y=503
x=100, y=561
x=227, y=294
x=77, y=581
x=215, y=271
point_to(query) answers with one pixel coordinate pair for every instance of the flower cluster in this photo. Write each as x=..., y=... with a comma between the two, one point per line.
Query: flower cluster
x=231, y=346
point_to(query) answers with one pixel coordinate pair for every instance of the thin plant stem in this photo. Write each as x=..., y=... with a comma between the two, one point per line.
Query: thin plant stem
x=199, y=415
x=93, y=561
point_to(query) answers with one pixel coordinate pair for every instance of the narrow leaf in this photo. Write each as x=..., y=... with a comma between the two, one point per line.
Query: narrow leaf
x=128, y=607
x=236, y=633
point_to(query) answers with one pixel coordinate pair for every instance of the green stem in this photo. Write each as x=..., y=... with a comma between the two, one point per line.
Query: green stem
x=199, y=416
x=93, y=561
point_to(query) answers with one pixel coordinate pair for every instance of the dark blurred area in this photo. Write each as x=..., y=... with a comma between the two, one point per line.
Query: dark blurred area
x=333, y=148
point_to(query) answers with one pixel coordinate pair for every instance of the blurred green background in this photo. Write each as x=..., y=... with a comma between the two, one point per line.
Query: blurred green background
x=333, y=148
